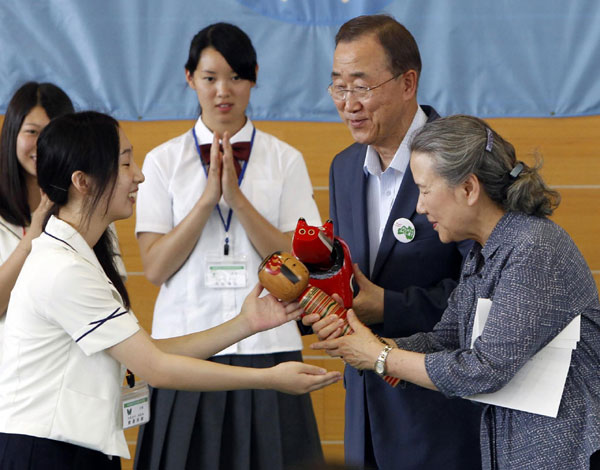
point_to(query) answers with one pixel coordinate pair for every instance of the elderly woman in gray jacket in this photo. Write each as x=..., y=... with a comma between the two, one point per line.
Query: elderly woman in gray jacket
x=472, y=187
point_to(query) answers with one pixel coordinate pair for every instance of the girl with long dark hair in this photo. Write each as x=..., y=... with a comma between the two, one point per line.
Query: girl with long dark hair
x=69, y=328
x=22, y=206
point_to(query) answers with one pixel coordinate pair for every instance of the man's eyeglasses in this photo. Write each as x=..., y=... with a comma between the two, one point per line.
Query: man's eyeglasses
x=359, y=92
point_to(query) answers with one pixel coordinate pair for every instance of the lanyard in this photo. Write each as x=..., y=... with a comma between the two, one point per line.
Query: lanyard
x=227, y=224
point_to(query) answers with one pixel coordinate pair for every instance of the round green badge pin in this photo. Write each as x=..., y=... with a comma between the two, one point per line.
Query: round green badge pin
x=404, y=230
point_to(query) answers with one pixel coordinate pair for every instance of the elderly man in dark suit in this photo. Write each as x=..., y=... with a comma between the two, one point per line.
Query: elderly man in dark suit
x=405, y=274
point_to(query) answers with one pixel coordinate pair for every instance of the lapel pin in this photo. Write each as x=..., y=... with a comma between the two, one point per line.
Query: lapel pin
x=404, y=230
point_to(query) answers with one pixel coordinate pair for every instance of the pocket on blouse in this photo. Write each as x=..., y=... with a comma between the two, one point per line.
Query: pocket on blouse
x=83, y=419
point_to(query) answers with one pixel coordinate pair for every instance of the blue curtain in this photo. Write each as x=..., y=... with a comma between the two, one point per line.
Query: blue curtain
x=125, y=57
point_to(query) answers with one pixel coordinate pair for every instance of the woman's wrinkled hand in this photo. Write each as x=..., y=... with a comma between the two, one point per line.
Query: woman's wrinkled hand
x=359, y=349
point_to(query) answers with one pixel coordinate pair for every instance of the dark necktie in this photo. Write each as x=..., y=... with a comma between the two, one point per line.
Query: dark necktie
x=241, y=151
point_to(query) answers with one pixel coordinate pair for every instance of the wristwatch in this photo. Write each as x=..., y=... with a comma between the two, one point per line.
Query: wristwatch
x=380, y=362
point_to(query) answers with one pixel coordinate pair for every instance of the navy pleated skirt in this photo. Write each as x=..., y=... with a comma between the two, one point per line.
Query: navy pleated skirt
x=21, y=452
x=236, y=430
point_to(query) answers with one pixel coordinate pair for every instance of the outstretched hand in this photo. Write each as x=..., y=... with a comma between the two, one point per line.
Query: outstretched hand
x=264, y=313
x=368, y=304
x=359, y=349
x=297, y=377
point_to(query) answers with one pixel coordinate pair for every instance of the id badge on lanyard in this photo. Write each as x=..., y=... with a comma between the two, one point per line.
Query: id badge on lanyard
x=135, y=402
x=225, y=271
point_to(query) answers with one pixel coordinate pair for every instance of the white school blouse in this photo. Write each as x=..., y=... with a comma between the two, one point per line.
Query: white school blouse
x=57, y=380
x=10, y=236
x=277, y=184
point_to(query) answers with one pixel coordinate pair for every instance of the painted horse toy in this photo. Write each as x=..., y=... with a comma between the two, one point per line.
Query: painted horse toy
x=287, y=278
x=326, y=257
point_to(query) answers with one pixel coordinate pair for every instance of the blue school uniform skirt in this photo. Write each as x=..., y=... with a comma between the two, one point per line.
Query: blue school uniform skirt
x=22, y=452
x=236, y=430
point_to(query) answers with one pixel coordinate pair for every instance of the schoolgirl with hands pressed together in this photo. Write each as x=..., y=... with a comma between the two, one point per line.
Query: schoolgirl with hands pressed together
x=216, y=201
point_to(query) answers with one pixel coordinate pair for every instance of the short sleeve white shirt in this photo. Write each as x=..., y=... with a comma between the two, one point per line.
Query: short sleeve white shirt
x=276, y=182
x=10, y=236
x=57, y=380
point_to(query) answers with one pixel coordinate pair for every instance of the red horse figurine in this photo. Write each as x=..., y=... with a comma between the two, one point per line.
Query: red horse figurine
x=326, y=257
x=286, y=278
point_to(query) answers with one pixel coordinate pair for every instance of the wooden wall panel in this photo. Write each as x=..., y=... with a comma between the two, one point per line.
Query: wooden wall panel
x=129, y=246
x=579, y=214
x=142, y=294
x=131, y=437
x=318, y=142
x=322, y=200
x=328, y=403
x=569, y=148
x=571, y=163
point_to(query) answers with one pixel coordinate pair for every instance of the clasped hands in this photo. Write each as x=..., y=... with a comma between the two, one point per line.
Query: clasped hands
x=222, y=179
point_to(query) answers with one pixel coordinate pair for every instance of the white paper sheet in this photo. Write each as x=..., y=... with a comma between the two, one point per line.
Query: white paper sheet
x=538, y=386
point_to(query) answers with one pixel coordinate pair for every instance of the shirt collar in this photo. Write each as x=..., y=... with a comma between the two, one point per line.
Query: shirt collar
x=11, y=228
x=205, y=135
x=65, y=235
x=372, y=164
x=479, y=255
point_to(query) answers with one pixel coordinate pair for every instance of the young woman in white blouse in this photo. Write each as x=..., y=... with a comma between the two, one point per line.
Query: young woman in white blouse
x=69, y=327
x=205, y=220
x=22, y=206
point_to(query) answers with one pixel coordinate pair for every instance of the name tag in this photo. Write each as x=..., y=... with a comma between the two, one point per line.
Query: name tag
x=135, y=404
x=225, y=272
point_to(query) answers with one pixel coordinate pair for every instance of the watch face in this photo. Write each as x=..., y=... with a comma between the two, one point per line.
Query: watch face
x=379, y=367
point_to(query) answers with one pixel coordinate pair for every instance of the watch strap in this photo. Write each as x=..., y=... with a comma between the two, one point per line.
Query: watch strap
x=381, y=360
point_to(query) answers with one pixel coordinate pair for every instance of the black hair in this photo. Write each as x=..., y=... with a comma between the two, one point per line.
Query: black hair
x=231, y=42
x=87, y=142
x=14, y=205
x=397, y=42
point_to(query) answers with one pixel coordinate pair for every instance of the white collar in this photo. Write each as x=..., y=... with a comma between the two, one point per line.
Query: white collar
x=64, y=234
x=205, y=135
x=13, y=229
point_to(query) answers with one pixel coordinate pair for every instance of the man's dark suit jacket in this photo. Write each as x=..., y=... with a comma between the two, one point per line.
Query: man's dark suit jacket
x=405, y=427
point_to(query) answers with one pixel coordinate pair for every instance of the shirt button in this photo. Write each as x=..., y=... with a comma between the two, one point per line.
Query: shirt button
x=388, y=193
